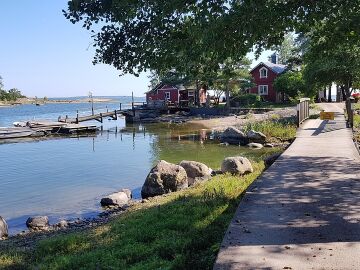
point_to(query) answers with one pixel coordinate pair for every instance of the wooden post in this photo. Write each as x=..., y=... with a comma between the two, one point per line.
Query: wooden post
x=120, y=106
x=77, y=116
x=107, y=110
x=115, y=112
x=132, y=103
x=66, y=117
x=101, y=118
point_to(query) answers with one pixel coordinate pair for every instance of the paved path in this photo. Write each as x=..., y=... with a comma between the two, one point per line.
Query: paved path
x=304, y=212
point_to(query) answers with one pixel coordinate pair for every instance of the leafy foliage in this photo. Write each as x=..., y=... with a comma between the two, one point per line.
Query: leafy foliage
x=11, y=95
x=291, y=83
x=192, y=35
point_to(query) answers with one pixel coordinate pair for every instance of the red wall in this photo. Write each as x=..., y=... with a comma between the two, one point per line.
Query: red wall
x=264, y=81
x=160, y=94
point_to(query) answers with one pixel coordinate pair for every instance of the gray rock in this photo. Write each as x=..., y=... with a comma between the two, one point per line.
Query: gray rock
x=115, y=199
x=256, y=137
x=38, y=223
x=269, y=160
x=196, y=171
x=62, y=224
x=233, y=135
x=268, y=145
x=164, y=178
x=4, y=230
x=236, y=165
x=127, y=192
x=255, y=145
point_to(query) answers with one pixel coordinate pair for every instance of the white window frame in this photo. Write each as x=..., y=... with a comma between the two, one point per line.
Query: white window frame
x=167, y=96
x=263, y=90
x=191, y=93
x=266, y=72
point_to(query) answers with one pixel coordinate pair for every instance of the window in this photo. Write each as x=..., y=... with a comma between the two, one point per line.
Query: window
x=167, y=95
x=191, y=93
x=263, y=72
x=263, y=90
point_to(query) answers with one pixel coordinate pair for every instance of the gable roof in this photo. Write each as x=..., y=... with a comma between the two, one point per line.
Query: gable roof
x=180, y=87
x=277, y=68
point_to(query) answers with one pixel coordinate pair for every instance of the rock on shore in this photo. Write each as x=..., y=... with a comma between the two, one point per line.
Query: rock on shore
x=164, y=178
x=196, y=171
x=256, y=136
x=116, y=199
x=38, y=223
x=4, y=231
x=236, y=165
x=233, y=135
x=255, y=145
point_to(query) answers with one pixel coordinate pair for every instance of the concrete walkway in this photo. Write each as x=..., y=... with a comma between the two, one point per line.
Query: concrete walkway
x=304, y=211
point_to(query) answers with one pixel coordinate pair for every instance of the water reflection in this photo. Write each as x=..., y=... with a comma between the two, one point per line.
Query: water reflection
x=65, y=177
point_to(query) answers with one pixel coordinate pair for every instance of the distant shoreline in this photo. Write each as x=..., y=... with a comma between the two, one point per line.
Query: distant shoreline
x=34, y=101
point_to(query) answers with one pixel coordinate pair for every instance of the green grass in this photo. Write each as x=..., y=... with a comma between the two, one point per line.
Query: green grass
x=183, y=230
x=356, y=121
x=280, y=128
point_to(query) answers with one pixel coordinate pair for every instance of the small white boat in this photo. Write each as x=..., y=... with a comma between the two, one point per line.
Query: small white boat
x=15, y=132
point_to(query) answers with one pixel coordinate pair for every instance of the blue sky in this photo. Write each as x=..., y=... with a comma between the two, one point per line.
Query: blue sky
x=43, y=54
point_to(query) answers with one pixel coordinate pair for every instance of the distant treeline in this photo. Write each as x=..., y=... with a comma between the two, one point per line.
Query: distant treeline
x=9, y=95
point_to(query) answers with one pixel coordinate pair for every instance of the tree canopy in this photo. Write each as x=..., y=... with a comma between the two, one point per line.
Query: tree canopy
x=188, y=35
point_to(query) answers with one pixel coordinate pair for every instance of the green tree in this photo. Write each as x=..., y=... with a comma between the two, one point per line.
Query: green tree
x=292, y=84
x=139, y=35
x=286, y=49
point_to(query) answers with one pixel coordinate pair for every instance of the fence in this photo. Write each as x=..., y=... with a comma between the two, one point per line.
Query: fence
x=303, y=110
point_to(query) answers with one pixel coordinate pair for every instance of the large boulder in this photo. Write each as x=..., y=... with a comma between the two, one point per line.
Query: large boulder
x=256, y=137
x=236, y=165
x=4, y=231
x=233, y=135
x=164, y=178
x=196, y=171
x=38, y=223
x=116, y=199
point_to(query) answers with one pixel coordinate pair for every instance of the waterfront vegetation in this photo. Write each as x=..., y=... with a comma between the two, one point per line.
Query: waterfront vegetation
x=283, y=129
x=182, y=230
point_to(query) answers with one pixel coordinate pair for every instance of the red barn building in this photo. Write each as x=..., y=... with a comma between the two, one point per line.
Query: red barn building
x=177, y=95
x=264, y=75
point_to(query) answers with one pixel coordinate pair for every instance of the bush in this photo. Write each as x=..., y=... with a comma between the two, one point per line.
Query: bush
x=246, y=99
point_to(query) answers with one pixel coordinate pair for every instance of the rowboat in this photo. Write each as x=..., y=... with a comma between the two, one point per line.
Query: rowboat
x=15, y=132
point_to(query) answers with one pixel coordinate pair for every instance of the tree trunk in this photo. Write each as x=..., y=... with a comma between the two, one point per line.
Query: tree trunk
x=196, y=97
x=329, y=94
x=348, y=105
x=325, y=94
x=227, y=97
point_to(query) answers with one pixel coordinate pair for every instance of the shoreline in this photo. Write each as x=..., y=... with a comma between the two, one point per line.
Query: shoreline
x=34, y=101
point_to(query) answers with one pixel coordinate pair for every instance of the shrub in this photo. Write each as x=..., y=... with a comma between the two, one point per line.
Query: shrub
x=246, y=99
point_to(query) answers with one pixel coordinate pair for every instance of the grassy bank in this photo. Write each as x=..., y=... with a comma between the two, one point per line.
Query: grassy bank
x=182, y=230
x=279, y=128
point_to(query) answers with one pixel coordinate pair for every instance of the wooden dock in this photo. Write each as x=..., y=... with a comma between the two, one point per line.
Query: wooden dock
x=98, y=117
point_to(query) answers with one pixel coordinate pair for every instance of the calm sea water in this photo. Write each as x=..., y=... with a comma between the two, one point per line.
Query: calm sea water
x=65, y=178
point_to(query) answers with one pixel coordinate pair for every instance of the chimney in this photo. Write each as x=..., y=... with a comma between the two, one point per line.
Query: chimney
x=274, y=58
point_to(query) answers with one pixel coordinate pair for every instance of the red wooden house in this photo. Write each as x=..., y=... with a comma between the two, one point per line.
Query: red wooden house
x=177, y=95
x=264, y=75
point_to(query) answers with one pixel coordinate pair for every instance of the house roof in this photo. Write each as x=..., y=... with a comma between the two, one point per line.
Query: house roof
x=179, y=87
x=277, y=68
